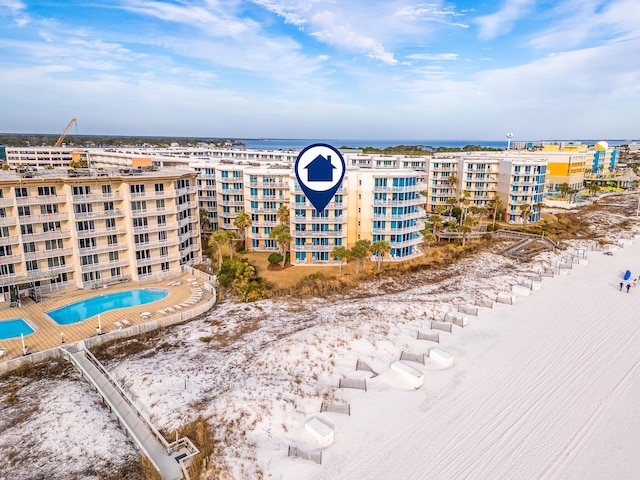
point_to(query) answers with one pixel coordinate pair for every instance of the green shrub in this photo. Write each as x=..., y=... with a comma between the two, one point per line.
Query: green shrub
x=275, y=258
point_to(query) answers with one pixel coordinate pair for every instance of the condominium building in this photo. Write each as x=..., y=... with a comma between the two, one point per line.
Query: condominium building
x=566, y=168
x=87, y=227
x=521, y=180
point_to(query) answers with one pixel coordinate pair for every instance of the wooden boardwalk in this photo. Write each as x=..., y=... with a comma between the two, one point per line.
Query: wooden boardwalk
x=48, y=333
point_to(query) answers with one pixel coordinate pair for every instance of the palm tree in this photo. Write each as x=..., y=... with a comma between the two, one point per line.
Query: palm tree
x=496, y=205
x=564, y=189
x=341, y=253
x=205, y=222
x=436, y=223
x=360, y=252
x=525, y=212
x=283, y=214
x=428, y=237
x=216, y=241
x=282, y=236
x=467, y=226
x=380, y=248
x=593, y=189
x=242, y=222
x=231, y=236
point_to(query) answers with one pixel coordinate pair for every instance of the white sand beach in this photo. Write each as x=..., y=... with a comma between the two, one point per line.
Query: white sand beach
x=545, y=388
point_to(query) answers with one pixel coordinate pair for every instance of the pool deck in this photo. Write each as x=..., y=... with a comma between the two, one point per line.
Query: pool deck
x=48, y=332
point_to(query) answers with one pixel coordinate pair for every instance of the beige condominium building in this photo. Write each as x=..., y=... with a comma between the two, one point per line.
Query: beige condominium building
x=88, y=227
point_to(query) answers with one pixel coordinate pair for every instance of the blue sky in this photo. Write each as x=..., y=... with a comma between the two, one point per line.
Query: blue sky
x=368, y=69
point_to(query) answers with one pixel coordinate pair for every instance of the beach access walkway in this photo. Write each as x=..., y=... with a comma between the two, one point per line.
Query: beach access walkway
x=168, y=458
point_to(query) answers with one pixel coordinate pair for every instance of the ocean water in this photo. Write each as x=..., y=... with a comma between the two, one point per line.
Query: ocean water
x=297, y=144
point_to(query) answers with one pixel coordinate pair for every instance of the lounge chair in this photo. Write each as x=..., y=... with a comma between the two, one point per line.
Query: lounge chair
x=170, y=309
x=126, y=323
x=2, y=352
x=119, y=325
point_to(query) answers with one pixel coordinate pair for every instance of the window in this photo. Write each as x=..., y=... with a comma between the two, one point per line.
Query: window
x=24, y=211
x=141, y=238
x=143, y=254
x=81, y=190
x=137, y=189
x=110, y=223
x=56, y=262
x=87, y=225
x=5, y=251
x=114, y=256
x=83, y=208
x=112, y=239
x=160, y=204
x=139, y=206
x=109, y=207
x=55, y=244
x=51, y=227
x=144, y=270
x=162, y=236
x=26, y=229
x=29, y=247
x=21, y=192
x=7, y=269
x=164, y=251
x=116, y=272
x=159, y=187
x=86, y=242
x=89, y=259
x=46, y=191
x=140, y=222
x=162, y=219
x=165, y=266
x=32, y=265
x=48, y=209
x=106, y=189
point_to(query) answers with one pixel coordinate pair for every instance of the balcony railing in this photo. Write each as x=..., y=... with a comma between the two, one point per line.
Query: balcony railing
x=43, y=273
x=7, y=259
x=103, y=214
x=319, y=234
x=94, y=267
x=48, y=217
x=96, y=197
x=51, y=235
x=58, y=252
x=321, y=220
x=41, y=199
x=413, y=201
x=6, y=202
x=8, y=221
x=313, y=248
x=406, y=188
x=14, y=240
x=103, y=249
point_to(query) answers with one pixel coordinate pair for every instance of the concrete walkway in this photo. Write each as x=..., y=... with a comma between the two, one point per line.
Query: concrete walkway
x=144, y=435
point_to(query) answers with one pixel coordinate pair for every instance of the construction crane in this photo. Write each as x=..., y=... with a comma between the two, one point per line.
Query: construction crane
x=64, y=133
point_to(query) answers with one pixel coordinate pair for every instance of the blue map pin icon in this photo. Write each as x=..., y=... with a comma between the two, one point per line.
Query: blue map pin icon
x=320, y=169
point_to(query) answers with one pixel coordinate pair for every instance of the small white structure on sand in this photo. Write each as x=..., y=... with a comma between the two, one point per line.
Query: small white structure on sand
x=320, y=430
x=520, y=290
x=415, y=377
x=440, y=356
x=506, y=297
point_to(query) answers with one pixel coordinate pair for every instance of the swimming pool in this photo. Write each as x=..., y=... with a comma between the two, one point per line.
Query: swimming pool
x=78, y=311
x=14, y=328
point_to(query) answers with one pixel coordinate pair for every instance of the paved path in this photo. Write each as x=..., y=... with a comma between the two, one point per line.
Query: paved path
x=138, y=429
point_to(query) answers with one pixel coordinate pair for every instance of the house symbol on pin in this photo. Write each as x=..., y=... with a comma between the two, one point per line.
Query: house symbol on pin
x=320, y=169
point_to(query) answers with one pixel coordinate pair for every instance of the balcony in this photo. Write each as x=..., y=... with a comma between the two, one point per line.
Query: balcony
x=405, y=216
x=4, y=241
x=231, y=203
x=395, y=231
x=96, y=197
x=191, y=248
x=319, y=234
x=41, y=236
x=7, y=259
x=269, y=184
x=103, y=249
x=41, y=200
x=402, y=203
x=188, y=205
x=49, y=217
x=406, y=188
x=407, y=243
x=265, y=223
x=186, y=190
x=321, y=220
x=94, y=267
x=104, y=214
x=157, y=260
x=6, y=202
x=12, y=279
x=313, y=248
x=7, y=221
x=44, y=273
x=330, y=205
x=58, y=252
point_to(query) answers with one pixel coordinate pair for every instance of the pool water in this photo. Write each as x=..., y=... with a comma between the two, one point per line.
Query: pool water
x=79, y=311
x=14, y=328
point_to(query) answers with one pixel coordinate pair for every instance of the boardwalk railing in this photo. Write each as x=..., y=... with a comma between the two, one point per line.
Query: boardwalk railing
x=313, y=456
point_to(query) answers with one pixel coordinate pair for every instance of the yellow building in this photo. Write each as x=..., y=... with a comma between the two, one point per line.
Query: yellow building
x=566, y=167
x=89, y=227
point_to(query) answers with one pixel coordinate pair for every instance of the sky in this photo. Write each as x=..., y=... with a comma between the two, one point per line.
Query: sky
x=366, y=69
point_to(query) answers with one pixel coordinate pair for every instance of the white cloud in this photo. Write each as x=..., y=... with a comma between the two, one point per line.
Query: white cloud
x=16, y=10
x=433, y=56
x=502, y=21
